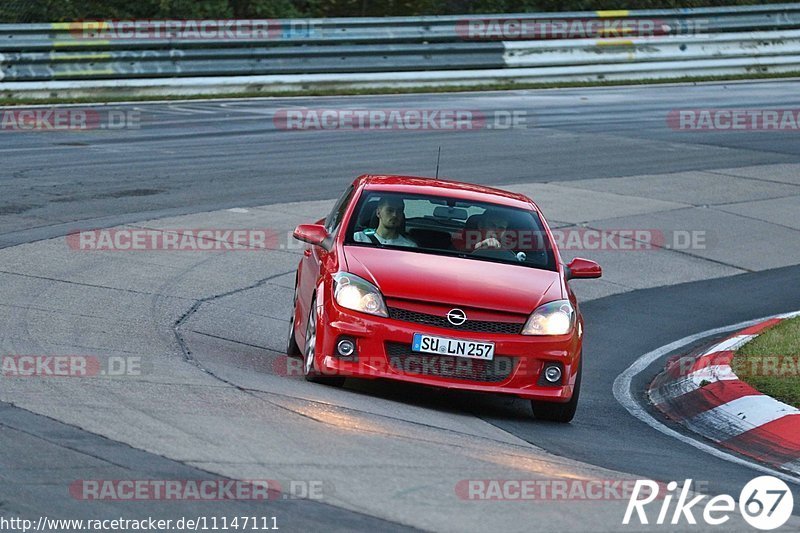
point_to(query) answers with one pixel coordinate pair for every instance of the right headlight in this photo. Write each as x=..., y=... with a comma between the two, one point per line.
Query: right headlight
x=358, y=294
x=554, y=318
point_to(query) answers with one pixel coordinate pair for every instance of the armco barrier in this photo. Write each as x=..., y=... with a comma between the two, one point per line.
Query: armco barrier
x=162, y=57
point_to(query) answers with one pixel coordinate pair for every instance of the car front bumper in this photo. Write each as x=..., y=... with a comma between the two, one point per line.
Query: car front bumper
x=383, y=352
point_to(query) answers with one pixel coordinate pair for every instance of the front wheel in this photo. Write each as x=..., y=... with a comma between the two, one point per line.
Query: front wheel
x=309, y=367
x=559, y=412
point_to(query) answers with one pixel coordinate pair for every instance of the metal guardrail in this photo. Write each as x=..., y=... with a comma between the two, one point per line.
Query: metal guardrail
x=255, y=60
x=372, y=52
x=719, y=47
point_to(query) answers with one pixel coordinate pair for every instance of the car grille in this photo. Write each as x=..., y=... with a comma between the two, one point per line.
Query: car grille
x=510, y=328
x=402, y=359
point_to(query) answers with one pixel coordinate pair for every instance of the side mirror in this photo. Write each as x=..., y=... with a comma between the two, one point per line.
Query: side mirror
x=315, y=234
x=583, y=269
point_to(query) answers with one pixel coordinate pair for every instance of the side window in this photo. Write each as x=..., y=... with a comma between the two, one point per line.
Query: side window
x=335, y=216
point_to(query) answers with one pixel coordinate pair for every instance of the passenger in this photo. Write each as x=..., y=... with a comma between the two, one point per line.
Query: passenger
x=491, y=227
x=391, y=221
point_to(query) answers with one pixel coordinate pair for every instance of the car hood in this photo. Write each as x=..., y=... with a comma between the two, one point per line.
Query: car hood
x=454, y=280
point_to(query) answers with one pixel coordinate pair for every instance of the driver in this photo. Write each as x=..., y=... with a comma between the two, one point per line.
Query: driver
x=391, y=220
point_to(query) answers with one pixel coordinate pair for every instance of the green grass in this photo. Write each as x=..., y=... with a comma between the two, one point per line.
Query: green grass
x=769, y=363
x=7, y=100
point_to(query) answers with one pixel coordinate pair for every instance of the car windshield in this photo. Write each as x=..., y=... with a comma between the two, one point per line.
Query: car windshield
x=449, y=226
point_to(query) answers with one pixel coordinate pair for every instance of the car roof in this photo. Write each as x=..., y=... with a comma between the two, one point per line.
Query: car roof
x=443, y=187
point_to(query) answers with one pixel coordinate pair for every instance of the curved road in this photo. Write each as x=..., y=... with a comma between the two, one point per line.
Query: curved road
x=213, y=399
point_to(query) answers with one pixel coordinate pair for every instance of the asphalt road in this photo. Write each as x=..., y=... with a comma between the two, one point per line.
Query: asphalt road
x=193, y=157
x=42, y=457
x=196, y=157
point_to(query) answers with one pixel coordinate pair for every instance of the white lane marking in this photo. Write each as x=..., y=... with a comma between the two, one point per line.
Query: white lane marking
x=734, y=343
x=624, y=395
x=192, y=110
x=252, y=110
x=738, y=416
x=238, y=210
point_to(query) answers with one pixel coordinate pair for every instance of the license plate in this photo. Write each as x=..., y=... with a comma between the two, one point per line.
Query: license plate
x=458, y=348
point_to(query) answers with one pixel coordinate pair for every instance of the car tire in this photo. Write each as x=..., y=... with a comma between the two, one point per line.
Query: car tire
x=292, y=349
x=559, y=412
x=309, y=367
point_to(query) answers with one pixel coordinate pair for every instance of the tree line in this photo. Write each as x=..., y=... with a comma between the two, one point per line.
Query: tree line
x=20, y=11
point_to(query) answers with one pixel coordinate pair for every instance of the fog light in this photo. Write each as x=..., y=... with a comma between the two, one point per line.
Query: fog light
x=552, y=374
x=346, y=347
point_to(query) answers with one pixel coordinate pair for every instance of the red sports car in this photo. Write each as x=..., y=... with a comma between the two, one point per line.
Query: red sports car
x=440, y=283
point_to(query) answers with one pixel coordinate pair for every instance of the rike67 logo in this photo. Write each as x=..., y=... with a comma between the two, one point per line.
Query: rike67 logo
x=766, y=503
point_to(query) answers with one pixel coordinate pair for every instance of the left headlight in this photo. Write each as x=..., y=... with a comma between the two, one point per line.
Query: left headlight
x=554, y=318
x=358, y=294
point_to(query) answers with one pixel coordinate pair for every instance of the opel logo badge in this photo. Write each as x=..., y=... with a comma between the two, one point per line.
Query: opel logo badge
x=456, y=317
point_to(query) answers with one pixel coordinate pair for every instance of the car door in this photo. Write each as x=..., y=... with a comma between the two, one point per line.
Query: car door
x=314, y=257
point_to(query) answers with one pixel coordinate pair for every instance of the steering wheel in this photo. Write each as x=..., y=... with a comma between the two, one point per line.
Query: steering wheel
x=496, y=253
